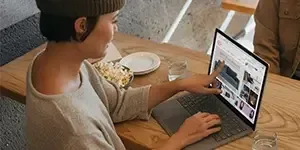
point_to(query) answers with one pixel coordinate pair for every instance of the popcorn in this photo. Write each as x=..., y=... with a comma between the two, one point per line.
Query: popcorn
x=114, y=72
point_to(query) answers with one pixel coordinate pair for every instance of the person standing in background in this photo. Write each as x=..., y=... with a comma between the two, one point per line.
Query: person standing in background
x=277, y=36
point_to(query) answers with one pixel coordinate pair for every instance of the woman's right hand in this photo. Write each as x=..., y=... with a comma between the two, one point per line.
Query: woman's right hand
x=194, y=129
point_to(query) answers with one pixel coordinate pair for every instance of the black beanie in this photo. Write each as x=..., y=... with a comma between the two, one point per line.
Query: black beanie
x=79, y=8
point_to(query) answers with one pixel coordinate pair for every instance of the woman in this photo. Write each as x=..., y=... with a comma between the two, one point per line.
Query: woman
x=70, y=107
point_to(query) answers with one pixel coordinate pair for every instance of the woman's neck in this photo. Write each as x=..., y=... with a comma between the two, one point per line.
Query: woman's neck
x=57, y=69
x=64, y=58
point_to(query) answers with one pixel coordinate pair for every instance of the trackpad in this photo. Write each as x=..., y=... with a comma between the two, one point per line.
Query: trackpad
x=170, y=115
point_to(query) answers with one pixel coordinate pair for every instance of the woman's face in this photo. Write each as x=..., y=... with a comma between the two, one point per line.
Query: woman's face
x=96, y=43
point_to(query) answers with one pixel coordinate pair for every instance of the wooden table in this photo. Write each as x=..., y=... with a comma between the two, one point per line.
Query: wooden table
x=279, y=112
x=243, y=6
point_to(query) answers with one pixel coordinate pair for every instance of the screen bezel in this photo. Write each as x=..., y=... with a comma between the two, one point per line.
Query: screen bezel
x=240, y=115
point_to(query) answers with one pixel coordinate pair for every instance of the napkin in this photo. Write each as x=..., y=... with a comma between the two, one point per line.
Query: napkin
x=112, y=54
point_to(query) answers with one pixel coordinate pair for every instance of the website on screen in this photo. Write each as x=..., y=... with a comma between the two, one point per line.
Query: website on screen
x=241, y=79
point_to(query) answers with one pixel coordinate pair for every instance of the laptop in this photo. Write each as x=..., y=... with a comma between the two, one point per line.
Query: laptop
x=242, y=81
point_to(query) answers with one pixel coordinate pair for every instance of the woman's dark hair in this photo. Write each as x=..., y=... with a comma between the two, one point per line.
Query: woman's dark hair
x=61, y=28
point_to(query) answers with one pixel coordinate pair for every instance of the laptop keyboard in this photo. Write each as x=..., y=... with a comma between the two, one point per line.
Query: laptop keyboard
x=206, y=103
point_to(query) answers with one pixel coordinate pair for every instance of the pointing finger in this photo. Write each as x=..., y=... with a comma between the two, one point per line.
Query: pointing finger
x=218, y=70
x=215, y=83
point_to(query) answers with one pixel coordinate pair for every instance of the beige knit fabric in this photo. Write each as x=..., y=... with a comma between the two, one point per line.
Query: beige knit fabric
x=82, y=120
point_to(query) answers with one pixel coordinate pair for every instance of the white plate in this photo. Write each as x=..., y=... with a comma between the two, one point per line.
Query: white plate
x=146, y=72
x=141, y=62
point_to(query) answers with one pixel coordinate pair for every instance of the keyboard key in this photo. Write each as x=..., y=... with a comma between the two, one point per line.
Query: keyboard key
x=222, y=135
x=217, y=138
x=234, y=132
x=227, y=133
x=235, y=120
x=193, y=111
x=239, y=130
x=244, y=129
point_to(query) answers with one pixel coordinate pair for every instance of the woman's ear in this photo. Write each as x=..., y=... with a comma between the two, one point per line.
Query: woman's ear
x=80, y=25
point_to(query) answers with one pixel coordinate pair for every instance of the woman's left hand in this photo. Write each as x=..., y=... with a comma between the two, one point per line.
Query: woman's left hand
x=200, y=83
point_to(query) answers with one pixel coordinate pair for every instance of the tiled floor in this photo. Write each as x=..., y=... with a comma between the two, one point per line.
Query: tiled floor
x=196, y=29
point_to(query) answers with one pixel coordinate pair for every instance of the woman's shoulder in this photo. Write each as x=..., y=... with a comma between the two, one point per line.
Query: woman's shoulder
x=43, y=79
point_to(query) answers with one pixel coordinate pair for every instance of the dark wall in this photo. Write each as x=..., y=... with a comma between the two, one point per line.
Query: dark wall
x=13, y=11
x=20, y=38
x=18, y=28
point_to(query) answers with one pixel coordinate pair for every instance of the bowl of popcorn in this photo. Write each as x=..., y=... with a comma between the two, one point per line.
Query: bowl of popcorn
x=115, y=72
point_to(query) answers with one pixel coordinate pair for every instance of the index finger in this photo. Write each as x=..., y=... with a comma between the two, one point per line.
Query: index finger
x=218, y=70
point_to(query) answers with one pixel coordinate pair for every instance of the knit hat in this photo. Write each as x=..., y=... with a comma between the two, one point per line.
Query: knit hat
x=78, y=8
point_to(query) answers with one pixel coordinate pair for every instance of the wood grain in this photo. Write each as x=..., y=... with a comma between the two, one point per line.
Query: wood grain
x=242, y=6
x=279, y=111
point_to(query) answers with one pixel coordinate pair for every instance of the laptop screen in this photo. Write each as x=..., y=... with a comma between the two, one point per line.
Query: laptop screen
x=242, y=78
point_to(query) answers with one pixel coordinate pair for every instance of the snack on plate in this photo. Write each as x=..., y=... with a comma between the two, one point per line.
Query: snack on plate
x=115, y=73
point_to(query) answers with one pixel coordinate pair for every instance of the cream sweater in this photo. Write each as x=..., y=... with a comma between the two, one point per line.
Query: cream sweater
x=83, y=119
